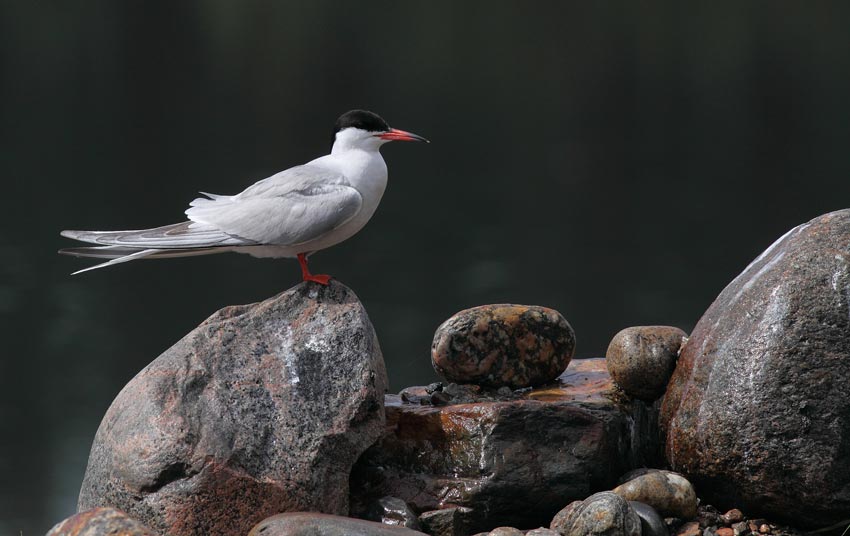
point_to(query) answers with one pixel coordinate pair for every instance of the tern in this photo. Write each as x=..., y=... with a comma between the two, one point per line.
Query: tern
x=293, y=213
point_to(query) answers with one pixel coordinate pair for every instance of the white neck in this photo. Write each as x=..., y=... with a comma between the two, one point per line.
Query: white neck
x=356, y=139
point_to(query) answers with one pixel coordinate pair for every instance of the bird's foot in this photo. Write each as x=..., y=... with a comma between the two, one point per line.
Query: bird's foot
x=318, y=278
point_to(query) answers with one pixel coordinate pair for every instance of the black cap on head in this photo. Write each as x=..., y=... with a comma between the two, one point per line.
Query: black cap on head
x=361, y=119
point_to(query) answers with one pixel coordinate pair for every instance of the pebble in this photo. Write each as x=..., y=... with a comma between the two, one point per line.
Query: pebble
x=641, y=359
x=668, y=492
x=542, y=531
x=603, y=513
x=514, y=346
x=725, y=531
x=740, y=528
x=733, y=516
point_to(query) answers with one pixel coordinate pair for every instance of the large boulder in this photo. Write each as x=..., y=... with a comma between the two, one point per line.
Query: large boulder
x=510, y=459
x=757, y=412
x=261, y=409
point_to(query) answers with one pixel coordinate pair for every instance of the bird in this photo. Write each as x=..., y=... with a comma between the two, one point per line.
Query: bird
x=293, y=213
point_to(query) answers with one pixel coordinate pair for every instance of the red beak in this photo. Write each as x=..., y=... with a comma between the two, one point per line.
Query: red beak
x=395, y=134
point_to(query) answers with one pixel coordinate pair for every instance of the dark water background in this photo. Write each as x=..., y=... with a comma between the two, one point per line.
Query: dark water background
x=618, y=162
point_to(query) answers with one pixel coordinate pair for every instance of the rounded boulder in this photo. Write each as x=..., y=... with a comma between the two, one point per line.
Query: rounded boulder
x=641, y=359
x=513, y=346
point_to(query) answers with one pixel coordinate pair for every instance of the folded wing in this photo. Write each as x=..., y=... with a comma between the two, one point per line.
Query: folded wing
x=295, y=206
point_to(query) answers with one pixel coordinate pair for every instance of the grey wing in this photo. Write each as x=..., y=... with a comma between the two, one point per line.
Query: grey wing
x=295, y=206
x=184, y=235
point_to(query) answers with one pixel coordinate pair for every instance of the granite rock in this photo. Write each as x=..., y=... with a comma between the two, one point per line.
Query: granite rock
x=513, y=346
x=757, y=412
x=262, y=409
x=514, y=461
x=641, y=359
x=100, y=522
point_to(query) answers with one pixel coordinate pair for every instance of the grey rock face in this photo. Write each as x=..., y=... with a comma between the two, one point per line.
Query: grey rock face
x=263, y=408
x=641, y=359
x=602, y=514
x=313, y=524
x=757, y=413
x=503, y=345
x=99, y=522
x=669, y=493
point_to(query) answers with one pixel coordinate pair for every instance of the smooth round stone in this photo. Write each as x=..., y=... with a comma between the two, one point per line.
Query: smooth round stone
x=513, y=346
x=601, y=514
x=641, y=359
x=669, y=493
x=651, y=522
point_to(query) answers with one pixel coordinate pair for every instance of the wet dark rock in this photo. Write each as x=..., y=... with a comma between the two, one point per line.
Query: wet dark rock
x=314, y=524
x=100, y=522
x=603, y=514
x=757, y=413
x=641, y=359
x=453, y=521
x=651, y=523
x=515, y=462
x=707, y=515
x=261, y=409
x=503, y=345
x=393, y=511
x=669, y=493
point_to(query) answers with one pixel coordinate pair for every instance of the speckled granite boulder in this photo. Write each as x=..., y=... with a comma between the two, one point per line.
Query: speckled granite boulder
x=100, y=522
x=601, y=514
x=261, y=409
x=757, y=412
x=313, y=524
x=512, y=459
x=641, y=359
x=503, y=345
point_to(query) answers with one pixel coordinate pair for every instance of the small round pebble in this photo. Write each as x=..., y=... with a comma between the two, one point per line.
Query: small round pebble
x=641, y=359
x=733, y=516
x=514, y=346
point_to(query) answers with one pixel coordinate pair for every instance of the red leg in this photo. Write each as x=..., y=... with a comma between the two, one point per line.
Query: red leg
x=305, y=272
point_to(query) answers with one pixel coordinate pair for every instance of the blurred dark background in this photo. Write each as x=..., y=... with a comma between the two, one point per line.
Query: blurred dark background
x=618, y=162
